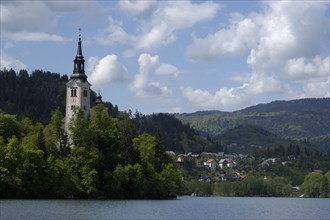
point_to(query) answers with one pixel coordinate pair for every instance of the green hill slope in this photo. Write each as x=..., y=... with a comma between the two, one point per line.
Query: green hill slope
x=304, y=119
x=176, y=136
x=247, y=139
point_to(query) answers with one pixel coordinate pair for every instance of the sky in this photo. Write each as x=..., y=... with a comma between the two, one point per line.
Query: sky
x=176, y=56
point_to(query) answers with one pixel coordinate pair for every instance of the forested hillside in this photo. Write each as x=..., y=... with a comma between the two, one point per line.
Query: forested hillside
x=38, y=94
x=178, y=137
x=35, y=95
x=251, y=139
x=306, y=120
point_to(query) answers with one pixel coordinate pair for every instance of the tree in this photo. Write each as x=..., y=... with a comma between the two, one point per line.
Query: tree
x=171, y=179
x=128, y=182
x=314, y=185
x=82, y=164
x=103, y=135
x=79, y=132
x=11, y=157
x=160, y=152
x=278, y=186
x=56, y=137
x=145, y=144
x=327, y=176
x=127, y=153
x=161, y=181
x=41, y=143
x=9, y=127
x=34, y=174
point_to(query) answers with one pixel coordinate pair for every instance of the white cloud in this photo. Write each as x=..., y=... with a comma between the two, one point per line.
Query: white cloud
x=182, y=14
x=8, y=62
x=139, y=9
x=231, y=41
x=299, y=69
x=106, y=70
x=37, y=36
x=89, y=8
x=114, y=33
x=142, y=86
x=235, y=97
x=37, y=20
x=168, y=19
x=284, y=42
x=312, y=77
x=224, y=98
x=167, y=69
x=289, y=30
x=164, y=20
x=14, y=16
x=260, y=84
x=285, y=29
x=317, y=89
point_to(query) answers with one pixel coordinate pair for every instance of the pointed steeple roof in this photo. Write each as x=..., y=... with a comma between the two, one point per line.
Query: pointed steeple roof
x=79, y=50
x=79, y=63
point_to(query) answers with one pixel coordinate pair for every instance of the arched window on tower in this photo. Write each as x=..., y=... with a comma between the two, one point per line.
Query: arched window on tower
x=73, y=92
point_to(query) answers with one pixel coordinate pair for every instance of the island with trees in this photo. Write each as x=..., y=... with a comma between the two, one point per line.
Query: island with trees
x=124, y=155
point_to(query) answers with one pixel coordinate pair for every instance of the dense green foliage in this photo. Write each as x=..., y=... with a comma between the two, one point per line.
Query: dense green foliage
x=251, y=186
x=23, y=94
x=317, y=185
x=314, y=185
x=305, y=119
x=104, y=158
x=177, y=137
x=251, y=139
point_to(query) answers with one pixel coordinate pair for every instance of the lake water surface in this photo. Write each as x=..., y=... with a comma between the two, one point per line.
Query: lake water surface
x=181, y=208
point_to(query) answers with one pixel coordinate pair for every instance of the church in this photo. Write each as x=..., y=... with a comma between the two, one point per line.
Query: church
x=78, y=90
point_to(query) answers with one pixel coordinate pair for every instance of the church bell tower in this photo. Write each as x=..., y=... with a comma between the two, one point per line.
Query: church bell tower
x=77, y=89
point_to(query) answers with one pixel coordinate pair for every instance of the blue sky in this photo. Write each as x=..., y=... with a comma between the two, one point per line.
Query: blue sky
x=176, y=56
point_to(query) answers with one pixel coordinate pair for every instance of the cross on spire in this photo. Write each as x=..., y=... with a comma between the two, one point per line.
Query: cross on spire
x=79, y=29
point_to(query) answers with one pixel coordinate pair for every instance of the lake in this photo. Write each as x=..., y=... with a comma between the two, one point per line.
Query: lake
x=182, y=208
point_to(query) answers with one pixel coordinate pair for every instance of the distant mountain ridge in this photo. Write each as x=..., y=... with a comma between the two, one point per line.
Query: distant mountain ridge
x=309, y=104
x=302, y=119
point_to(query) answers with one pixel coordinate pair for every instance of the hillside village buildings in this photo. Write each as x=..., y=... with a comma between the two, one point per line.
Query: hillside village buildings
x=223, y=166
x=211, y=162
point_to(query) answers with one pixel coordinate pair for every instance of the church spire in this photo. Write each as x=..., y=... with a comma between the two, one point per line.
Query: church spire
x=79, y=63
x=78, y=93
x=79, y=50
